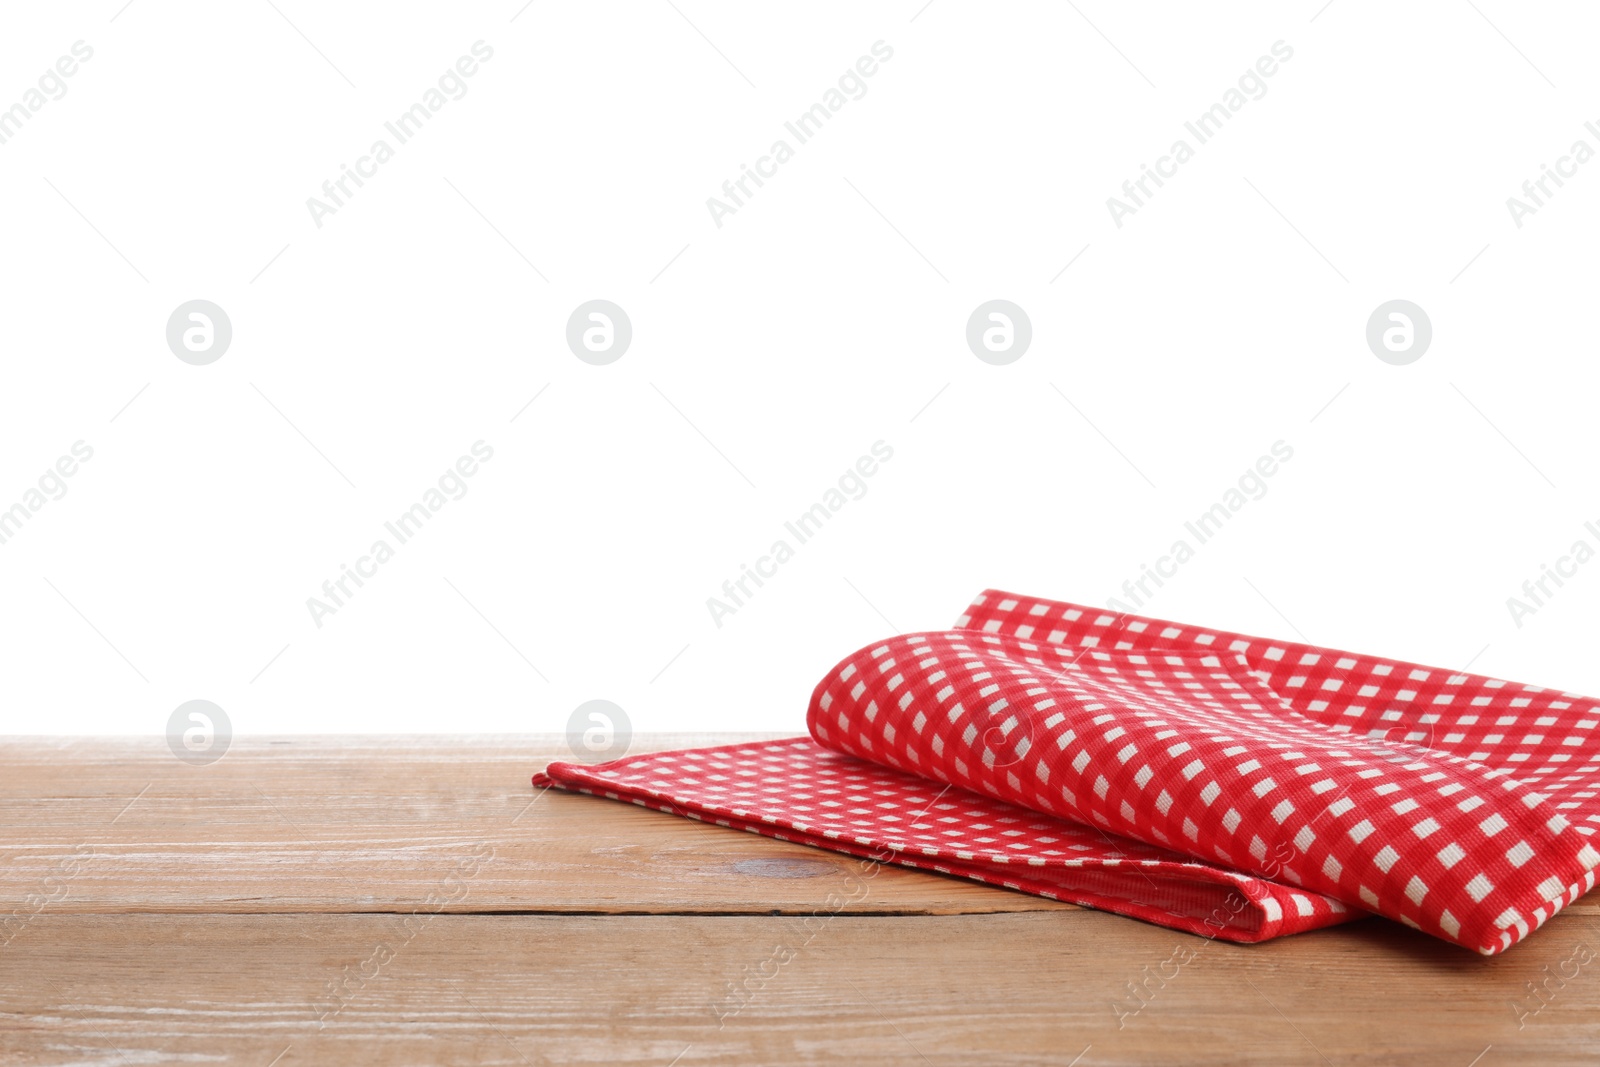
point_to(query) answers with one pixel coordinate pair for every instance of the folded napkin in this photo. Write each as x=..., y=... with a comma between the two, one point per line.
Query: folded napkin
x=1230, y=786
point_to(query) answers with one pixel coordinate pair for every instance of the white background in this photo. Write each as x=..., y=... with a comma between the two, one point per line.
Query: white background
x=768, y=354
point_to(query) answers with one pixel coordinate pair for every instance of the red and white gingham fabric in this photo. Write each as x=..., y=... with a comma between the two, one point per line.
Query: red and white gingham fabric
x=1227, y=785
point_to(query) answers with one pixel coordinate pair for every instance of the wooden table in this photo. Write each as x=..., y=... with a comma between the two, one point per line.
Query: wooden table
x=412, y=900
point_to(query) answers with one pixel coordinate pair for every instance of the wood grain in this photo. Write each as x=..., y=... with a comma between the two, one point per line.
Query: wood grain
x=395, y=901
x=998, y=989
x=337, y=824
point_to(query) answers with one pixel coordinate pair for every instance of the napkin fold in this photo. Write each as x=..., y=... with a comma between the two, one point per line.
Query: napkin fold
x=1230, y=786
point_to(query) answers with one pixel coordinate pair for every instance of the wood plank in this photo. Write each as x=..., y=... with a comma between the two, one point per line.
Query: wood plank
x=335, y=824
x=994, y=989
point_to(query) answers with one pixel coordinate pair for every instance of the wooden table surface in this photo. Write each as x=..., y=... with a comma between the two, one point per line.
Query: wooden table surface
x=413, y=900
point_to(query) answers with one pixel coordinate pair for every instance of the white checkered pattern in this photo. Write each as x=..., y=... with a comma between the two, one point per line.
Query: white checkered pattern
x=795, y=790
x=1459, y=805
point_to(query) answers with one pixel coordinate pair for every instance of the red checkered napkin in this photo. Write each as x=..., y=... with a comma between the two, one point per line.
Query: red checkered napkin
x=796, y=790
x=1185, y=776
